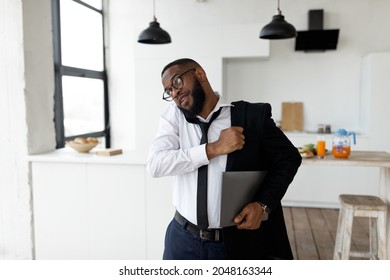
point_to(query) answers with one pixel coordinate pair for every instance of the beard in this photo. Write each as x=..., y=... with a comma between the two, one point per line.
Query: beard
x=198, y=98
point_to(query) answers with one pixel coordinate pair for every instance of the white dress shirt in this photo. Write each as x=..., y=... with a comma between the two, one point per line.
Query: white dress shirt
x=176, y=151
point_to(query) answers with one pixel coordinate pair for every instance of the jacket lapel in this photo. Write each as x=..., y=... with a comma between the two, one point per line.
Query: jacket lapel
x=237, y=118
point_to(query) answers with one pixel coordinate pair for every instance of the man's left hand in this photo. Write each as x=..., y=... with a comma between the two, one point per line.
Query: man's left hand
x=250, y=217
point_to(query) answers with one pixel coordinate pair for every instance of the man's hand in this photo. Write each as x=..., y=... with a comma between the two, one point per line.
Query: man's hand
x=250, y=217
x=230, y=140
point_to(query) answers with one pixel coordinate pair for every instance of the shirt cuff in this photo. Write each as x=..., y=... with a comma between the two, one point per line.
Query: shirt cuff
x=199, y=156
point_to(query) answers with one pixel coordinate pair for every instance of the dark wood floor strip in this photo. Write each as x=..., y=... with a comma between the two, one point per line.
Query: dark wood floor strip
x=321, y=234
x=305, y=245
x=290, y=228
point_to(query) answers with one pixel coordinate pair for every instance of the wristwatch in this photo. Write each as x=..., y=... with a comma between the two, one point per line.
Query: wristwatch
x=266, y=211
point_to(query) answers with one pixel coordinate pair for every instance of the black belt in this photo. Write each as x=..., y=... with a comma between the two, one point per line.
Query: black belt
x=208, y=234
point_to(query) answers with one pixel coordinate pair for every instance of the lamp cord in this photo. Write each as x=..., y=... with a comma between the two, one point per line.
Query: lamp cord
x=154, y=10
x=278, y=11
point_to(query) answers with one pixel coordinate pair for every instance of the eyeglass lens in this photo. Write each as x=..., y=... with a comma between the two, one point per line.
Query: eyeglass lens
x=177, y=83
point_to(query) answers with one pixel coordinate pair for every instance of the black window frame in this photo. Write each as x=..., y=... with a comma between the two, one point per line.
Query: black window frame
x=62, y=70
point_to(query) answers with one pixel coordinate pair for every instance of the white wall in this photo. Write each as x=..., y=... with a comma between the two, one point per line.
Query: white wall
x=15, y=228
x=329, y=83
x=26, y=115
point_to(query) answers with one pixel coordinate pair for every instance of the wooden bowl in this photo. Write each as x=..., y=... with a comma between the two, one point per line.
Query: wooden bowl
x=82, y=147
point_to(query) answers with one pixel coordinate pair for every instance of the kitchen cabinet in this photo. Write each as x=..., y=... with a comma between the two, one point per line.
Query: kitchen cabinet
x=91, y=207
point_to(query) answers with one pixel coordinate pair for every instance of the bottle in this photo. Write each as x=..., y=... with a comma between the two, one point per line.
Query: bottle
x=328, y=129
x=320, y=129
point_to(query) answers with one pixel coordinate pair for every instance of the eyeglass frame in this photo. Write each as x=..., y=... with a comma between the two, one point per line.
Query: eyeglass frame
x=168, y=96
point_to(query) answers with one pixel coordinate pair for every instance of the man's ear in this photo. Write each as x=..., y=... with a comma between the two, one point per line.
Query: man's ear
x=201, y=74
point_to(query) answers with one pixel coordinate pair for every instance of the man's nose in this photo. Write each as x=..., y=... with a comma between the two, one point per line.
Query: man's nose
x=175, y=93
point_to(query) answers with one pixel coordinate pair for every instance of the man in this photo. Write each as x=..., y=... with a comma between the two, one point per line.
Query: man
x=241, y=137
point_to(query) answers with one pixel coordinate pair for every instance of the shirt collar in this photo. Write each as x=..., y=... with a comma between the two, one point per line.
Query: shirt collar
x=220, y=104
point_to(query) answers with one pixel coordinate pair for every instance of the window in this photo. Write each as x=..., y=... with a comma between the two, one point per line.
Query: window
x=81, y=90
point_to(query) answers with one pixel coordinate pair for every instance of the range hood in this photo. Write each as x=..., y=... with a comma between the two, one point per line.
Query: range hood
x=316, y=38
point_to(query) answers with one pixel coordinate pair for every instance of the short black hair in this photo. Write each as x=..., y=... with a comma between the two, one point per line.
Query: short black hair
x=180, y=61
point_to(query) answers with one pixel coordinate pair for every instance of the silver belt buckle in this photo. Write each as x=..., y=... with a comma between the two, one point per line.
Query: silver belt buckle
x=202, y=235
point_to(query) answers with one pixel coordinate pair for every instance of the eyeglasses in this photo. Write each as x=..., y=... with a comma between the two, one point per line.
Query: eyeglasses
x=177, y=83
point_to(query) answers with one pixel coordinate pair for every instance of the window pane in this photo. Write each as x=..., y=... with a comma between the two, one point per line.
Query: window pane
x=94, y=3
x=83, y=105
x=81, y=36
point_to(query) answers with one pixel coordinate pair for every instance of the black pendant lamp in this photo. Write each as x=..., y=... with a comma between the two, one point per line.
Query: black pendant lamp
x=154, y=34
x=278, y=28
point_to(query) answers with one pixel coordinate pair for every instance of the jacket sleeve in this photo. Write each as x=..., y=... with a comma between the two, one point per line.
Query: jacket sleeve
x=279, y=156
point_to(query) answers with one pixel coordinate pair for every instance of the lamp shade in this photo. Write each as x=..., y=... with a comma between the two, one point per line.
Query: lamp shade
x=278, y=28
x=154, y=34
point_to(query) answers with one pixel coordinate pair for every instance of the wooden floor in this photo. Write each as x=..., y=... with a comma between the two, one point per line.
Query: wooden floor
x=312, y=232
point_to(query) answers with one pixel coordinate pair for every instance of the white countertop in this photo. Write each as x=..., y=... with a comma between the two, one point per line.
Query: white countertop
x=69, y=155
x=360, y=158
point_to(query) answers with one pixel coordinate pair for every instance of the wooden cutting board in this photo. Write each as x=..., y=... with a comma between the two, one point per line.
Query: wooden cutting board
x=292, y=116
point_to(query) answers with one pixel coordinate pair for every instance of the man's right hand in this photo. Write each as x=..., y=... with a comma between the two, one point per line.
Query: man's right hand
x=230, y=140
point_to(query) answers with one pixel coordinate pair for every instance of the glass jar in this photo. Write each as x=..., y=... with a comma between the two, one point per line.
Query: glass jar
x=341, y=144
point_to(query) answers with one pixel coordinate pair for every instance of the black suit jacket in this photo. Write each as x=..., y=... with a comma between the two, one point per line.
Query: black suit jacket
x=266, y=148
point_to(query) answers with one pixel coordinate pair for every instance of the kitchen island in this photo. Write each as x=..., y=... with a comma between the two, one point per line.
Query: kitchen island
x=375, y=159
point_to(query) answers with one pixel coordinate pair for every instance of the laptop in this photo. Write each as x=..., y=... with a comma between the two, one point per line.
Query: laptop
x=238, y=189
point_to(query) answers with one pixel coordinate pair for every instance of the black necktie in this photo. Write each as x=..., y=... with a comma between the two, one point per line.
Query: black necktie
x=201, y=207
